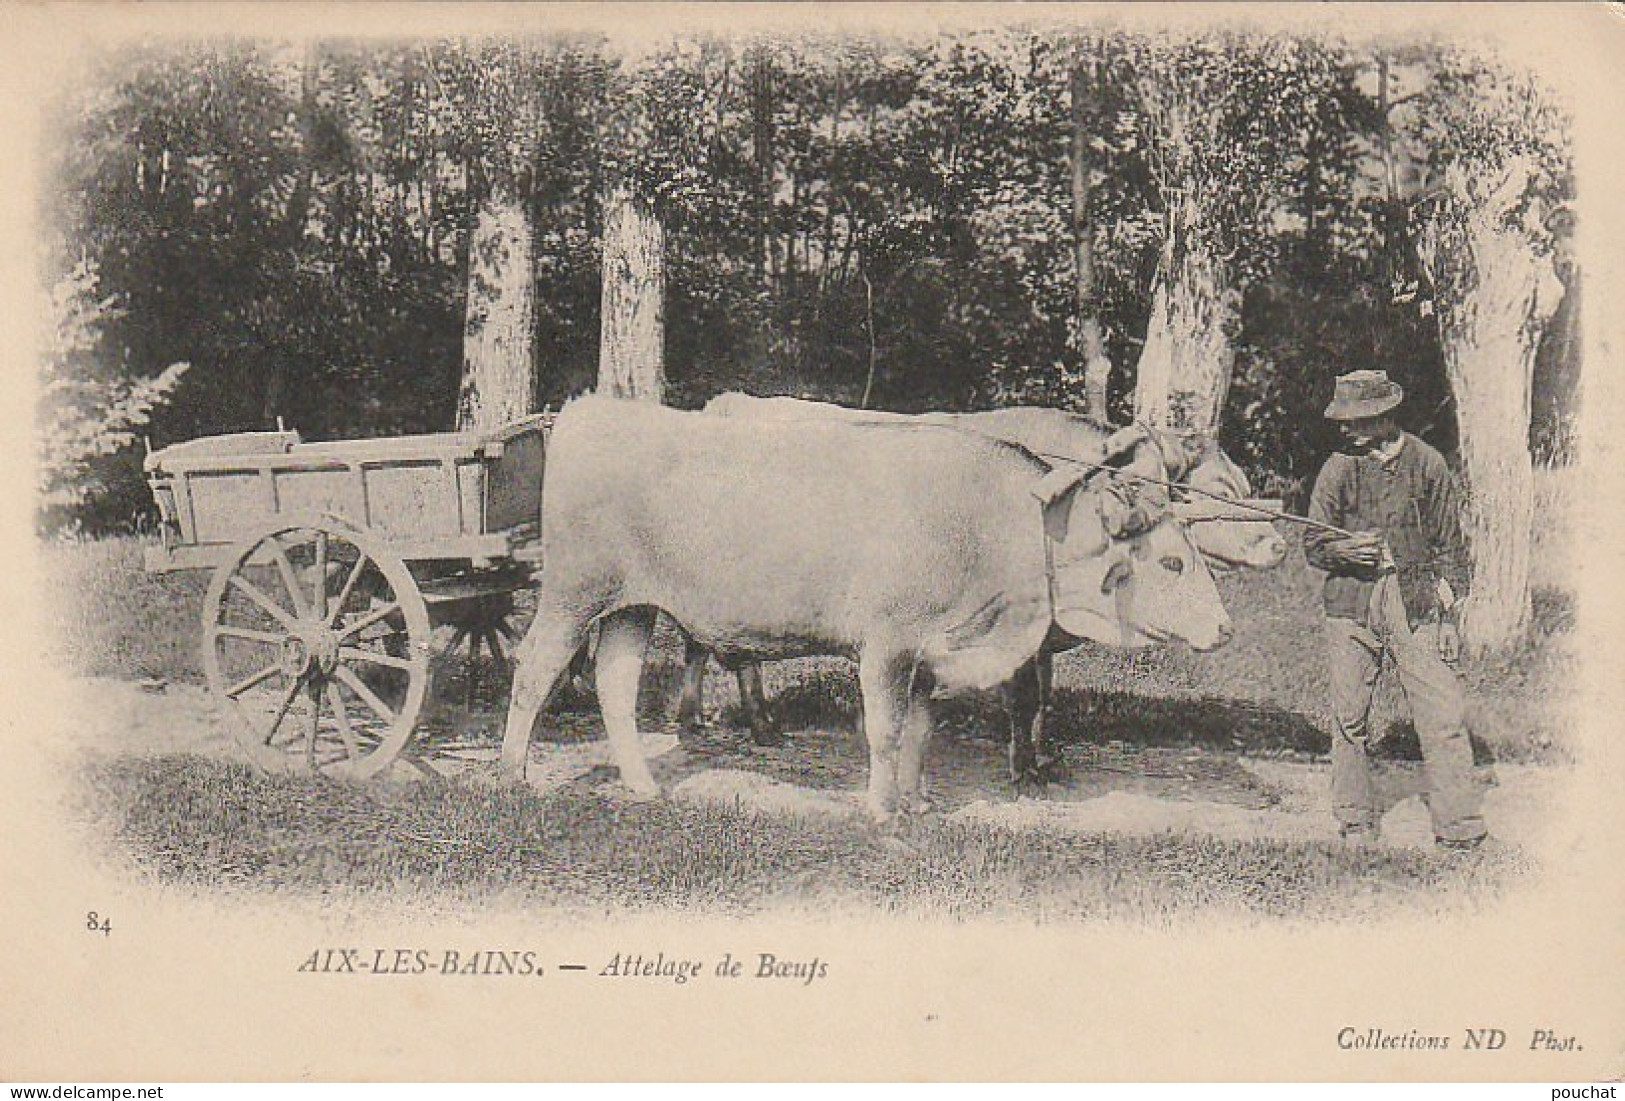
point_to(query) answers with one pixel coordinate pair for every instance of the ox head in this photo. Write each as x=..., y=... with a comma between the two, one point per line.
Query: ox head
x=1234, y=538
x=1125, y=571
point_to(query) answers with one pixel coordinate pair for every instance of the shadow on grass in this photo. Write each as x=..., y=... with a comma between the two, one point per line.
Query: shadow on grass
x=828, y=700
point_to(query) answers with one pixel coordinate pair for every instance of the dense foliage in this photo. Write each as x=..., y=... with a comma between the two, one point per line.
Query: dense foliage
x=882, y=220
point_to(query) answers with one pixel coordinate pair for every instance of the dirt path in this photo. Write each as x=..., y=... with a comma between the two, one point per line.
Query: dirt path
x=1113, y=788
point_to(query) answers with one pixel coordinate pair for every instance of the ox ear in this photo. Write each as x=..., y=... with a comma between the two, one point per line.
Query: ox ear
x=1078, y=529
x=1118, y=574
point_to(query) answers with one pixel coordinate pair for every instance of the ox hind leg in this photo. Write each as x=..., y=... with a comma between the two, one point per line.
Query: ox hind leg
x=548, y=648
x=1051, y=768
x=763, y=730
x=691, y=702
x=621, y=651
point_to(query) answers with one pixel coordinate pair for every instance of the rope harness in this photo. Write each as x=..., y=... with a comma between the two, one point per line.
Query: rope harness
x=1230, y=502
x=1119, y=600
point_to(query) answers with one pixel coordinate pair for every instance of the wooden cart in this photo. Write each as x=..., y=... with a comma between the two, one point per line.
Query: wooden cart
x=332, y=565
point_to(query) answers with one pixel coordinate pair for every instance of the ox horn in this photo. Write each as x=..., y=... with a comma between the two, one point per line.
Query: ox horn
x=1121, y=441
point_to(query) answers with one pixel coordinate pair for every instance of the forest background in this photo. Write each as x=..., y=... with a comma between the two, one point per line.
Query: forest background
x=1194, y=228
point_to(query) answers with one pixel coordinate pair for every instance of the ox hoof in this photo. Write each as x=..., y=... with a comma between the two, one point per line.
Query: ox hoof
x=917, y=805
x=1029, y=785
x=641, y=794
x=1053, y=770
x=487, y=776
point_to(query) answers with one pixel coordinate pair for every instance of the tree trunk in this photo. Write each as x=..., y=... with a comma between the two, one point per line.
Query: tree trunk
x=762, y=156
x=1495, y=293
x=1183, y=377
x=499, y=335
x=1087, y=341
x=631, y=348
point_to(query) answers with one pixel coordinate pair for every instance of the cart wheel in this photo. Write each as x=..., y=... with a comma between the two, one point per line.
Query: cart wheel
x=454, y=738
x=484, y=621
x=319, y=639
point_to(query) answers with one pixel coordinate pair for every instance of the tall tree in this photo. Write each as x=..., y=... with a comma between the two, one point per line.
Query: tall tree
x=1088, y=343
x=1225, y=118
x=500, y=90
x=638, y=169
x=1499, y=153
x=499, y=333
x=632, y=348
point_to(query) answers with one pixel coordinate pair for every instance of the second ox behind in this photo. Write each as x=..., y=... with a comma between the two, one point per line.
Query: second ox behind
x=940, y=560
x=1227, y=538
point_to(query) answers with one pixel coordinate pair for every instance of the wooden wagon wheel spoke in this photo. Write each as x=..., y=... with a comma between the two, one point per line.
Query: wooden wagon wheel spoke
x=290, y=580
x=251, y=681
x=353, y=629
x=356, y=571
x=367, y=696
x=272, y=608
x=373, y=657
x=320, y=580
x=282, y=710
x=313, y=727
x=495, y=646
x=341, y=715
x=251, y=634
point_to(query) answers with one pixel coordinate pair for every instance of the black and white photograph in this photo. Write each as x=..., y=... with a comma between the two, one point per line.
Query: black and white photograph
x=813, y=542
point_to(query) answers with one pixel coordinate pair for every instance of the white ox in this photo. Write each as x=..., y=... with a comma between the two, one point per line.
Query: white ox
x=942, y=561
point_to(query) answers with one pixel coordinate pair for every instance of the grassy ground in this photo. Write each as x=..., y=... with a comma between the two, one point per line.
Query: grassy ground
x=215, y=825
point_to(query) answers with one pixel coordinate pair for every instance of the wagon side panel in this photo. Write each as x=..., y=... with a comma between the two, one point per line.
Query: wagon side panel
x=335, y=490
x=218, y=503
x=423, y=501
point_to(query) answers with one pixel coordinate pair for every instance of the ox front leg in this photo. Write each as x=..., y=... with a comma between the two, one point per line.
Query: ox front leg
x=763, y=731
x=1051, y=769
x=883, y=678
x=621, y=650
x=1023, y=700
x=916, y=736
x=546, y=652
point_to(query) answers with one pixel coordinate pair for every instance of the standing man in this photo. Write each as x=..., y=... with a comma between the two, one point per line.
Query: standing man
x=1394, y=588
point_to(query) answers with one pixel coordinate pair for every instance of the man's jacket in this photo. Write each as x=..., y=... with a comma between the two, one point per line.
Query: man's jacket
x=1412, y=501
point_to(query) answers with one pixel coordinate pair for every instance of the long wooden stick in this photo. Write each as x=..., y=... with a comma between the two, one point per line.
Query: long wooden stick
x=1274, y=514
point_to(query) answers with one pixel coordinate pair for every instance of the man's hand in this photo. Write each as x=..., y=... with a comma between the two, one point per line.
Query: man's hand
x=1449, y=642
x=1363, y=550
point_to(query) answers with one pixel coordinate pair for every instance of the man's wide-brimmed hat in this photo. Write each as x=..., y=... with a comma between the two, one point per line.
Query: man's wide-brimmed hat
x=1363, y=394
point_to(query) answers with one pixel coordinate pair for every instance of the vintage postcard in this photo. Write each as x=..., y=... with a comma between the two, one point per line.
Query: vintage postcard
x=812, y=542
